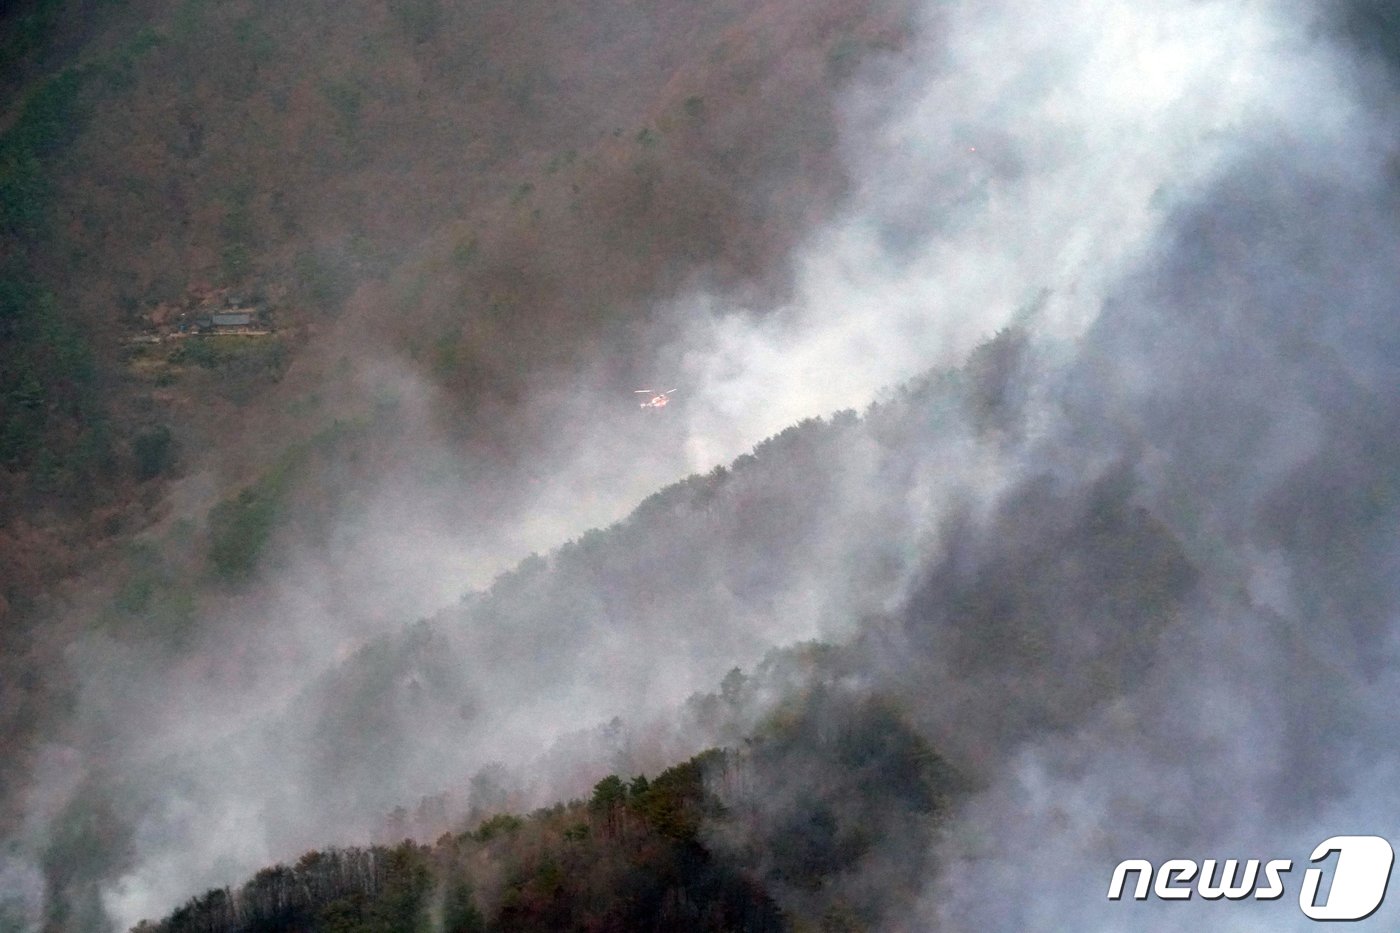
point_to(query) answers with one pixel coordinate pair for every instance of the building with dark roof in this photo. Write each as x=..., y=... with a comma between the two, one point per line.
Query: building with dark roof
x=231, y=319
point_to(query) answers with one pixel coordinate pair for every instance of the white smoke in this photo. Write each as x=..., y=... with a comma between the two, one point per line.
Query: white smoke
x=1018, y=164
x=1021, y=164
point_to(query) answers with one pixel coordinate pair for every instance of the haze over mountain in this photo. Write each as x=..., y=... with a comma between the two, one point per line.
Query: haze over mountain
x=1107, y=571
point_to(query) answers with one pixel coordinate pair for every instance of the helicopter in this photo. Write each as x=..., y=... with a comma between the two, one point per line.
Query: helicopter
x=657, y=400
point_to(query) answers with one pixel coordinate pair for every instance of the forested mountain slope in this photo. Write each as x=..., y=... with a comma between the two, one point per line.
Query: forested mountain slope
x=1026, y=558
x=811, y=535
x=479, y=198
x=515, y=178
x=692, y=848
x=1121, y=582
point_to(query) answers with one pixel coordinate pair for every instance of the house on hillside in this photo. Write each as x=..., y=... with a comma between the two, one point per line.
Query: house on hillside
x=231, y=321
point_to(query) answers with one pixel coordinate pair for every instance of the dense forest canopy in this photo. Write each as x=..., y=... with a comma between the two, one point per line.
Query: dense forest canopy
x=1025, y=502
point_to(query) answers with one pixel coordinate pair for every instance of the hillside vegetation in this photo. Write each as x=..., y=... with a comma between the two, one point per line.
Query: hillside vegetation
x=835, y=778
x=695, y=847
x=519, y=179
x=483, y=193
x=1122, y=579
